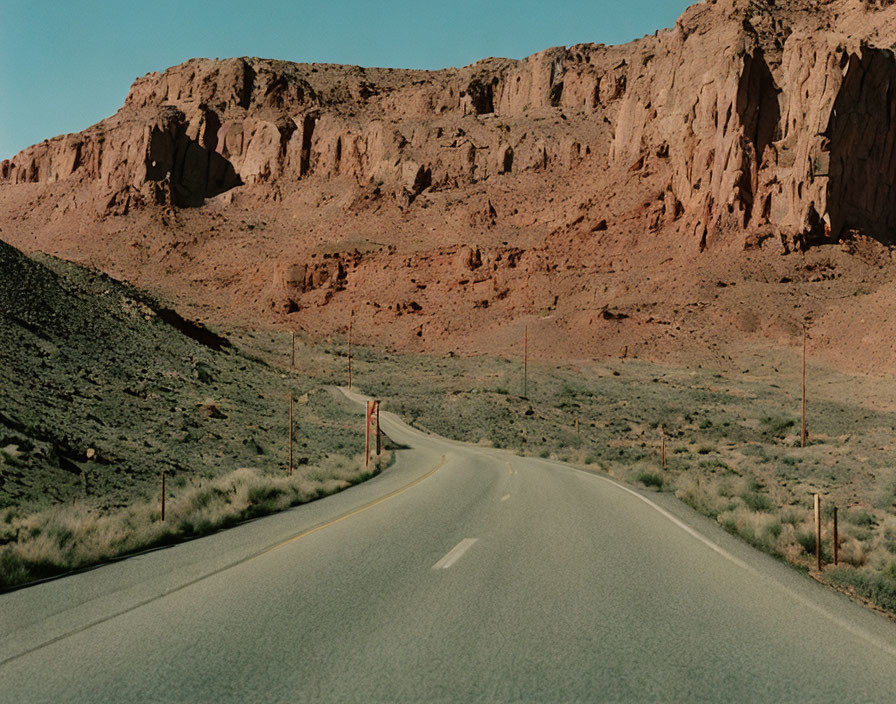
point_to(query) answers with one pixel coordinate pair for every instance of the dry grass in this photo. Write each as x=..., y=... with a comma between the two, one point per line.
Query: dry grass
x=732, y=440
x=66, y=537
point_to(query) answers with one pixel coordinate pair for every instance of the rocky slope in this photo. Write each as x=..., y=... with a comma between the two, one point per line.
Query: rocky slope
x=101, y=388
x=602, y=194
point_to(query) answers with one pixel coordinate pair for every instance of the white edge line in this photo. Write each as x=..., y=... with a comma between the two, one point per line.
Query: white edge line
x=454, y=554
x=856, y=631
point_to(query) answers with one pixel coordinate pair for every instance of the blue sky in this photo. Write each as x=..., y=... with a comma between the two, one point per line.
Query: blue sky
x=66, y=65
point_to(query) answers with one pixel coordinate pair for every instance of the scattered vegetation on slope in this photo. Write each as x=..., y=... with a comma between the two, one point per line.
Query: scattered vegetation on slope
x=732, y=441
x=102, y=389
x=66, y=537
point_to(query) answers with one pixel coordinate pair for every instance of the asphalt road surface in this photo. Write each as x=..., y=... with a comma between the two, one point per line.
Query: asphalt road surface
x=462, y=574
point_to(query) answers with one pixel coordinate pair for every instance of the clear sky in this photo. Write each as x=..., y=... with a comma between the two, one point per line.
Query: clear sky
x=66, y=64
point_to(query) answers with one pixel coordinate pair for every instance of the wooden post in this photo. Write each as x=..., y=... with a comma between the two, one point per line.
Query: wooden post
x=367, y=433
x=578, y=437
x=803, y=434
x=350, y=322
x=818, y=531
x=379, y=436
x=163, y=496
x=290, y=433
x=836, y=540
x=664, y=450
x=293, y=362
x=525, y=361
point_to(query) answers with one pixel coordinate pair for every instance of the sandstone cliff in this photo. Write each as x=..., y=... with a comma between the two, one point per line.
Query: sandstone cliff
x=762, y=117
x=520, y=186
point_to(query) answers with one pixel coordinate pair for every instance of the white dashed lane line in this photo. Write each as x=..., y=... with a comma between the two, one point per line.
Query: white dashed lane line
x=454, y=554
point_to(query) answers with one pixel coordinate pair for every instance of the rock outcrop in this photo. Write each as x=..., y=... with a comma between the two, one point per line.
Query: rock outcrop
x=760, y=117
x=447, y=205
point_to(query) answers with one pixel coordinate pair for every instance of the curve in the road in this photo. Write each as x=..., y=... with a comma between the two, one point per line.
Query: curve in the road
x=461, y=573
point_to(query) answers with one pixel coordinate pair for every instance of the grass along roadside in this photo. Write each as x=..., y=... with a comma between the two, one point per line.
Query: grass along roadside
x=732, y=440
x=66, y=537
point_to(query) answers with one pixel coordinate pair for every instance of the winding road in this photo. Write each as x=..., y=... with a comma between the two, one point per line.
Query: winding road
x=461, y=573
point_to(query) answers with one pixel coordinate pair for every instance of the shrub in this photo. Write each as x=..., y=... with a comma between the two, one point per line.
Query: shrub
x=650, y=479
x=776, y=426
x=860, y=517
x=879, y=587
x=714, y=464
x=756, y=501
x=700, y=496
x=66, y=537
x=889, y=538
x=806, y=539
x=757, y=451
x=759, y=530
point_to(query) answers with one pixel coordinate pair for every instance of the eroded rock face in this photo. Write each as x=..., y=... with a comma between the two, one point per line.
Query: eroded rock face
x=759, y=118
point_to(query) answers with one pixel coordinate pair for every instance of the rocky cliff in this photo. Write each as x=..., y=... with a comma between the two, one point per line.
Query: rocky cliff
x=765, y=117
x=758, y=124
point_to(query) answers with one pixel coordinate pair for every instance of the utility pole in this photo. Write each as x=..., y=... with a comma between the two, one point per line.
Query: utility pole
x=351, y=320
x=290, y=433
x=803, y=434
x=525, y=361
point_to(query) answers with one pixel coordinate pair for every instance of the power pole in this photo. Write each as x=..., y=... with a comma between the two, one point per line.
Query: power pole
x=525, y=361
x=290, y=434
x=803, y=434
x=350, y=321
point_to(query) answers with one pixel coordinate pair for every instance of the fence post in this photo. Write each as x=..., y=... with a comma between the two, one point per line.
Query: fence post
x=836, y=539
x=818, y=531
x=379, y=436
x=293, y=362
x=290, y=433
x=367, y=433
x=163, y=495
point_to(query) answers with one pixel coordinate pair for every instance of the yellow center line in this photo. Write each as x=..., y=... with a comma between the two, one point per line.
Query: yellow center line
x=359, y=510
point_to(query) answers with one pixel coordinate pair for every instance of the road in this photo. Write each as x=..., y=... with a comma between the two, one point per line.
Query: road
x=461, y=573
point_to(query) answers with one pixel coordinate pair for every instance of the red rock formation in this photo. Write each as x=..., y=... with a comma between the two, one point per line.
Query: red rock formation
x=762, y=117
x=747, y=123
